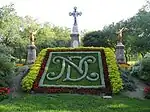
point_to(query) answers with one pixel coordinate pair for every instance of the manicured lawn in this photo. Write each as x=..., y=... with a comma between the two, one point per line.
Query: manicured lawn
x=73, y=103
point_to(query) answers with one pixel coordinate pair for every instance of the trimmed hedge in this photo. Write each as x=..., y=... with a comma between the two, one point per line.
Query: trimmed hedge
x=114, y=75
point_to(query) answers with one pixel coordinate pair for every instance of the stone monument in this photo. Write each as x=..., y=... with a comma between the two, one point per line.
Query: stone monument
x=75, y=34
x=120, y=47
x=31, y=49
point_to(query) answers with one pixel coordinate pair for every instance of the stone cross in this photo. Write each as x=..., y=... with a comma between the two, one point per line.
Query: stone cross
x=75, y=14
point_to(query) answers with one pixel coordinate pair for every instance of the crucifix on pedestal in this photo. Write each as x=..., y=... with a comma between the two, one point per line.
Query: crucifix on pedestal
x=75, y=34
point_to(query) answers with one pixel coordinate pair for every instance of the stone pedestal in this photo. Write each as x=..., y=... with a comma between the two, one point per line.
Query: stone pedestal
x=75, y=40
x=120, y=53
x=31, y=54
x=75, y=36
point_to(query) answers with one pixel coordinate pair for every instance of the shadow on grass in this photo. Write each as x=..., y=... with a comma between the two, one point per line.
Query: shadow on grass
x=73, y=103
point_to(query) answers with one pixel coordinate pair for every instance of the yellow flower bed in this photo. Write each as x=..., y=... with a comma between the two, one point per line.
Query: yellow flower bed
x=114, y=74
x=28, y=81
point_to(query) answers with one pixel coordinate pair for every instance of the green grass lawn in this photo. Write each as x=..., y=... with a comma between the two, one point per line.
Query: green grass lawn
x=73, y=103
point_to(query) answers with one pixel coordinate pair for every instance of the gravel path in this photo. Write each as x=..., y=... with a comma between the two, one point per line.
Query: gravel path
x=139, y=90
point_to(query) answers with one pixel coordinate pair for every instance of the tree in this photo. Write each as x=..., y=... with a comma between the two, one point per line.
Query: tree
x=10, y=31
x=136, y=39
x=52, y=36
x=6, y=68
x=9, y=25
x=97, y=39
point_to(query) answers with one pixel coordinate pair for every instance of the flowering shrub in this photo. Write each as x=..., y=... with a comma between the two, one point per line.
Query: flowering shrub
x=141, y=69
x=147, y=92
x=4, y=93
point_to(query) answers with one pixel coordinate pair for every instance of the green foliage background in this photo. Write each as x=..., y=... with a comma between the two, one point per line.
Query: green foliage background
x=6, y=65
x=141, y=69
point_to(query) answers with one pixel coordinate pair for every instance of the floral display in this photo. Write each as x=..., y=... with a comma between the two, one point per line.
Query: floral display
x=112, y=78
x=147, y=92
x=4, y=91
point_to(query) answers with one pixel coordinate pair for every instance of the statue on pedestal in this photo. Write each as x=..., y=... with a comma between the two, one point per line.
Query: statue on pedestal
x=32, y=37
x=120, y=34
x=31, y=48
x=120, y=47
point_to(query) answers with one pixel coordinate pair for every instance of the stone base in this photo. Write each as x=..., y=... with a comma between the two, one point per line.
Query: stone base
x=120, y=53
x=75, y=40
x=107, y=97
x=31, y=54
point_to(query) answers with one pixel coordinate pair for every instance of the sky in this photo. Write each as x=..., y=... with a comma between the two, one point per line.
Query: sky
x=95, y=13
